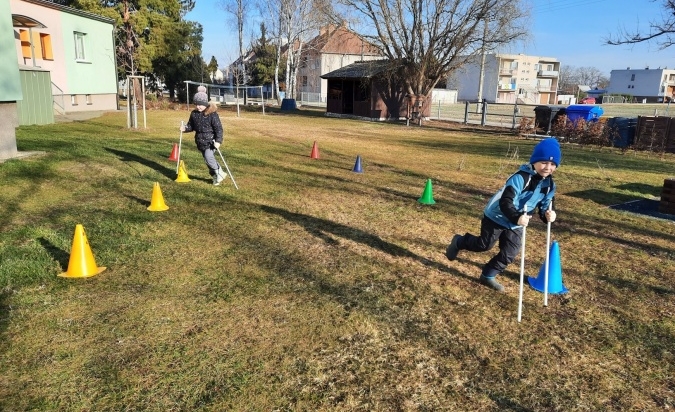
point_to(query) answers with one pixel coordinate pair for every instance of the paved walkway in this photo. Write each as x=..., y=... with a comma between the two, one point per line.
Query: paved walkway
x=78, y=116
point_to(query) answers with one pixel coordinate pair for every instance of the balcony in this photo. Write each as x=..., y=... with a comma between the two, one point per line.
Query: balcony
x=548, y=73
x=547, y=88
x=506, y=72
x=506, y=87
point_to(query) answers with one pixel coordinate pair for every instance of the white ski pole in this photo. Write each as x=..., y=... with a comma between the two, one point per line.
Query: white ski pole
x=522, y=270
x=227, y=168
x=548, y=253
x=180, y=143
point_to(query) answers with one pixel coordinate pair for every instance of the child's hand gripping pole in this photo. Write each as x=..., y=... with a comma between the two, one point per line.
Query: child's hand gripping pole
x=180, y=143
x=522, y=270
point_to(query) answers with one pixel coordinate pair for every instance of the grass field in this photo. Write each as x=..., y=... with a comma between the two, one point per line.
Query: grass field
x=314, y=288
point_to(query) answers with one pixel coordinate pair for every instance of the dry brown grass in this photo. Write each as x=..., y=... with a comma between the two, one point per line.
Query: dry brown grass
x=316, y=288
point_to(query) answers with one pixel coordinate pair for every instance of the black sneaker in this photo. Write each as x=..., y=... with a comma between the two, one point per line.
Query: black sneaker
x=491, y=283
x=453, y=248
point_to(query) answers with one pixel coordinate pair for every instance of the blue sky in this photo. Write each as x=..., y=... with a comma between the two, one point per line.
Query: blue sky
x=570, y=30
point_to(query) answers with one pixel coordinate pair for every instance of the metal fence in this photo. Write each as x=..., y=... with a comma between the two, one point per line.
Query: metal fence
x=509, y=115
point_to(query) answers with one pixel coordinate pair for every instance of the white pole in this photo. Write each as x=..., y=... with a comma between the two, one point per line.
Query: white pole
x=228, y=169
x=548, y=253
x=522, y=270
x=180, y=143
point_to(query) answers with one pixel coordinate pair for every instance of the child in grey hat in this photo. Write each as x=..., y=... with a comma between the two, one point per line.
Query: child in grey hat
x=205, y=122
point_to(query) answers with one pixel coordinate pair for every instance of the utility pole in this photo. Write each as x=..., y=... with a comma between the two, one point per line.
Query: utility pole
x=482, y=66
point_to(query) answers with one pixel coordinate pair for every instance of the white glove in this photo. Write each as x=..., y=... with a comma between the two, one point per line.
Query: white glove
x=216, y=145
x=550, y=216
x=523, y=220
x=182, y=128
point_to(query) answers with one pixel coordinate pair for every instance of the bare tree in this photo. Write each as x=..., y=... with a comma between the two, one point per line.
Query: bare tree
x=239, y=11
x=571, y=77
x=590, y=76
x=427, y=40
x=662, y=31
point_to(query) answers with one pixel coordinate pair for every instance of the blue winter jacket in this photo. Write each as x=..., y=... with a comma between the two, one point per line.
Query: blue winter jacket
x=523, y=188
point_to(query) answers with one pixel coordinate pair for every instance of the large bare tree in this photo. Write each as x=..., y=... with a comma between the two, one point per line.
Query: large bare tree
x=295, y=22
x=661, y=31
x=426, y=40
x=238, y=9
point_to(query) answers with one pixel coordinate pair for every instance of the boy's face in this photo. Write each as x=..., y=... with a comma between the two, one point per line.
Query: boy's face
x=544, y=169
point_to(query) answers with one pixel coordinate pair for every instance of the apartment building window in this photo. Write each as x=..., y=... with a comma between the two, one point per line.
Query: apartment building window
x=73, y=99
x=632, y=77
x=80, y=41
x=87, y=98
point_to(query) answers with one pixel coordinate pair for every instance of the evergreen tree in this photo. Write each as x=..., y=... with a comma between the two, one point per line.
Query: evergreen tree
x=262, y=69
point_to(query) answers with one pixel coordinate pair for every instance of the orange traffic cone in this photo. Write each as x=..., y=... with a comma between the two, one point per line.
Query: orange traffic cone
x=82, y=263
x=315, y=151
x=157, y=203
x=174, y=153
x=182, y=174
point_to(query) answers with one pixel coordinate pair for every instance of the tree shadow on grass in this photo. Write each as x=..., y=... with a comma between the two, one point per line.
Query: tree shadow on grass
x=635, y=286
x=321, y=227
x=130, y=157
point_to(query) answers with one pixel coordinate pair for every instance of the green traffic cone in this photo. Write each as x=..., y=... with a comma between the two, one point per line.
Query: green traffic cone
x=428, y=196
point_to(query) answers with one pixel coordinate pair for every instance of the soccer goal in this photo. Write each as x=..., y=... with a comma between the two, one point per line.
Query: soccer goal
x=231, y=95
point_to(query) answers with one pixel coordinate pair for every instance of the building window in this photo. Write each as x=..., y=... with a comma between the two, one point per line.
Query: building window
x=73, y=99
x=362, y=92
x=46, y=45
x=79, y=46
x=87, y=98
x=632, y=77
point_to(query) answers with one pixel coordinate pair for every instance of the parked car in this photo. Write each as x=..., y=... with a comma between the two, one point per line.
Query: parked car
x=587, y=100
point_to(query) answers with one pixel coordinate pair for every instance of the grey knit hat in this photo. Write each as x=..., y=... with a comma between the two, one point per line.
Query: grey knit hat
x=201, y=98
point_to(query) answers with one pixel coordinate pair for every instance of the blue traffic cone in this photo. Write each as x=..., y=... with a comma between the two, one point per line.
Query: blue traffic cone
x=555, y=284
x=357, y=166
x=428, y=196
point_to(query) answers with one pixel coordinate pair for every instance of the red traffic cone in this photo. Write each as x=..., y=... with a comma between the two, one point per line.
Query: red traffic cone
x=315, y=151
x=174, y=153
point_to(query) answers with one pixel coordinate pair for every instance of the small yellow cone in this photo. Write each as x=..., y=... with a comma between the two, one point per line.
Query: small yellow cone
x=157, y=203
x=82, y=263
x=182, y=174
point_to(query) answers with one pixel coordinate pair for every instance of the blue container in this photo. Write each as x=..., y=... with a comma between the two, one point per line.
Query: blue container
x=621, y=131
x=587, y=112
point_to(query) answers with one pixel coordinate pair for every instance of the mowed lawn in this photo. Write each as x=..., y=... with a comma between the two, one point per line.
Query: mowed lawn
x=315, y=288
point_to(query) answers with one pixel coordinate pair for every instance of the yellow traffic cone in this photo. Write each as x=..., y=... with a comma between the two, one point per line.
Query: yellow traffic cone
x=182, y=173
x=82, y=263
x=157, y=203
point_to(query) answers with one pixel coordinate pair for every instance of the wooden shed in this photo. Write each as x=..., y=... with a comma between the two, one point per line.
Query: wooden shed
x=371, y=90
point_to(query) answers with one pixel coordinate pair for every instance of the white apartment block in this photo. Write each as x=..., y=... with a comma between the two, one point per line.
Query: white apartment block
x=644, y=85
x=508, y=78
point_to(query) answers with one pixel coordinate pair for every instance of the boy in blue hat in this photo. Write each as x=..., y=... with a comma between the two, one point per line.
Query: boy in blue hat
x=505, y=217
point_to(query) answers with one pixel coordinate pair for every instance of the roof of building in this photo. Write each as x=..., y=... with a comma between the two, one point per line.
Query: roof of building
x=359, y=70
x=340, y=40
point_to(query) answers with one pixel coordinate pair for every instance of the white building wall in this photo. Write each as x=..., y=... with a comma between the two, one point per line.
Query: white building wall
x=640, y=82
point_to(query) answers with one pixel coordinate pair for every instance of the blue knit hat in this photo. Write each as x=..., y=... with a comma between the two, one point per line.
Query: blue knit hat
x=548, y=150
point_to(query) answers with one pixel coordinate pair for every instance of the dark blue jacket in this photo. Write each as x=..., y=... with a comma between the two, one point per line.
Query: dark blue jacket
x=207, y=127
